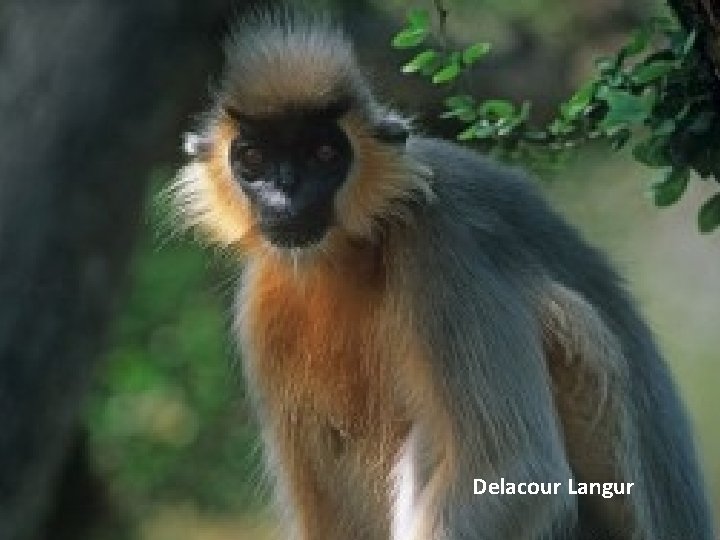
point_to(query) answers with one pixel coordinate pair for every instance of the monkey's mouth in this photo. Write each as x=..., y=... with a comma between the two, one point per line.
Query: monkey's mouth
x=293, y=234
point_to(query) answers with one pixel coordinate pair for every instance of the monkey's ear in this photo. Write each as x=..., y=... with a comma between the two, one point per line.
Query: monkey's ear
x=391, y=128
x=197, y=145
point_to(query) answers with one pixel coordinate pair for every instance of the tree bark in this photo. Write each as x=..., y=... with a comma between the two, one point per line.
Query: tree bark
x=94, y=93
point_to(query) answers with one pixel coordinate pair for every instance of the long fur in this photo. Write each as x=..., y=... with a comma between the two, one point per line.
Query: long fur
x=288, y=59
x=481, y=265
x=439, y=333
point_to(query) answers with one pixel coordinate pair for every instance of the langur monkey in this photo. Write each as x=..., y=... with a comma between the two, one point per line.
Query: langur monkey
x=413, y=316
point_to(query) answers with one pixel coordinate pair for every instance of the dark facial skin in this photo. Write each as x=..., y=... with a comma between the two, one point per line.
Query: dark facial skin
x=290, y=167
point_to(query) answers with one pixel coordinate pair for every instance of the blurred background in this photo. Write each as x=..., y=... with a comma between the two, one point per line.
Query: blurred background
x=122, y=405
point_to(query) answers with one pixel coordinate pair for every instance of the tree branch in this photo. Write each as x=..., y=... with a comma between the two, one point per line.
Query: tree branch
x=703, y=16
x=443, y=13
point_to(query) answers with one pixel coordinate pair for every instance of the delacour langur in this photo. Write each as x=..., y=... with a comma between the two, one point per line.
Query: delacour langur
x=413, y=317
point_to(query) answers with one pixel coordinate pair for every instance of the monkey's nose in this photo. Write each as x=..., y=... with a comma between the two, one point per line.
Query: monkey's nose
x=276, y=200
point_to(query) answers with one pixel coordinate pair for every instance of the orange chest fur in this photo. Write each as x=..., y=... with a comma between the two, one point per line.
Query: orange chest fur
x=319, y=346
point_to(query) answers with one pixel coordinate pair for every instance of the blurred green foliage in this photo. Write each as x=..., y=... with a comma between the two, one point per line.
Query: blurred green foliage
x=168, y=419
x=657, y=89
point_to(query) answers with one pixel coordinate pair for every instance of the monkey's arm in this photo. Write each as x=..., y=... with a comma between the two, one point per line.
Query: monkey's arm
x=590, y=383
x=486, y=359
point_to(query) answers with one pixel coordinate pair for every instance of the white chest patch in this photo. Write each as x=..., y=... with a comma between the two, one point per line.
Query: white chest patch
x=404, y=493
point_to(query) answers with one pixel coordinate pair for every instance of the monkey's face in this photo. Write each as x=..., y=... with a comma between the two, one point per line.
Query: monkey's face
x=296, y=151
x=290, y=168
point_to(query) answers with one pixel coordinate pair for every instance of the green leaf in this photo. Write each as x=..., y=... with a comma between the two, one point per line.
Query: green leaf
x=646, y=73
x=421, y=61
x=447, y=74
x=625, y=108
x=484, y=131
x=466, y=134
x=667, y=127
x=505, y=127
x=479, y=130
x=474, y=52
x=709, y=216
x=606, y=65
x=461, y=107
x=662, y=24
x=669, y=190
x=409, y=37
x=681, y=43
x=702, y=122
x=464, y=115
x=689, y=43
x=497, y=108
x=419, y=19
x=577, y=104
x=706, y=158
x=560, y=126
x=638, y=42
x=653, y=152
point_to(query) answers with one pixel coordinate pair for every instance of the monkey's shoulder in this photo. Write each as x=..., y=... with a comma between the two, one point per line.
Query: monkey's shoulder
x=492, y=216
x=476, y=187
x=485, y=200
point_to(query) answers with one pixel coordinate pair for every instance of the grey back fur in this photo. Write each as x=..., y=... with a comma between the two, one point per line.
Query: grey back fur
x=480, y=252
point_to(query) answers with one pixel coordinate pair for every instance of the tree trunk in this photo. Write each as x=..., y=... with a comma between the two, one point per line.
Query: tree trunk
x=93, y=94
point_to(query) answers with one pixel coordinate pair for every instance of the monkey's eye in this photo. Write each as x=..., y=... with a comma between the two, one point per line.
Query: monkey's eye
x=251, y=157
x=325, y=153
x=247, y=155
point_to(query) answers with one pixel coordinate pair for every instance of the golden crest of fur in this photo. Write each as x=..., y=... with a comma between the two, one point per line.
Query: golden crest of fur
x=281, y=62
x=275, y=69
